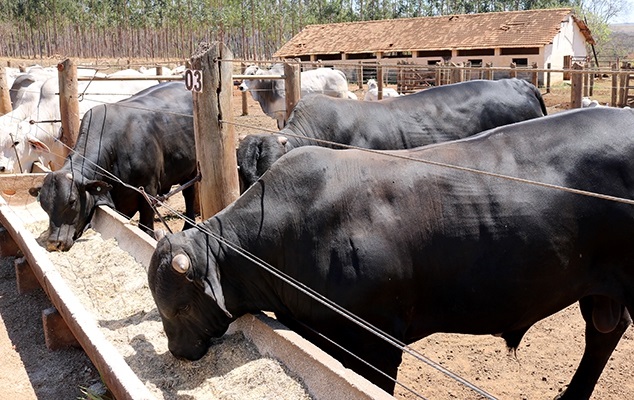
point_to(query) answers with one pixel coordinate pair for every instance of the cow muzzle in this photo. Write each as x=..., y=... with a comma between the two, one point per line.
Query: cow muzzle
x=58, y=245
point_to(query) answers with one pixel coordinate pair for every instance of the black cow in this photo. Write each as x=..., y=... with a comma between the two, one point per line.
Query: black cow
x=416, y=248
x=434, y=115
x=145, y=141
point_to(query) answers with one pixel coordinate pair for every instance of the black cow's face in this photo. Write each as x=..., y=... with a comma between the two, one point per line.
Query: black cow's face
x=68, y=201
x=256, y=154
x=189, y=297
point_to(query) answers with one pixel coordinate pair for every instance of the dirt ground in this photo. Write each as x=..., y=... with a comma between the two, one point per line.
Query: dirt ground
x=540, y=368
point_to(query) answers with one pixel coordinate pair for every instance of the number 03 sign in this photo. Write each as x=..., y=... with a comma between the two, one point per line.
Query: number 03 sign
x=194, y=80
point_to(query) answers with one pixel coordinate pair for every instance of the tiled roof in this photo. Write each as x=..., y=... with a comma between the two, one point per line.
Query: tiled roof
x=466, y=31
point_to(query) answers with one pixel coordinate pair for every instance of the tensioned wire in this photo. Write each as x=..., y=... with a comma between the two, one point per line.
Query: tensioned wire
x=306, y=290
x=333, y=306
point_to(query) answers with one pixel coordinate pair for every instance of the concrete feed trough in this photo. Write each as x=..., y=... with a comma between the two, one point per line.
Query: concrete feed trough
x=100, y=289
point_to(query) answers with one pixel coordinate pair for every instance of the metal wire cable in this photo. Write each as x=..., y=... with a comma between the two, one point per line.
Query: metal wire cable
x=333, y=306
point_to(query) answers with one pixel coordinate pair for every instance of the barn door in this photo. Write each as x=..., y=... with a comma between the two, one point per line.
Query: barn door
x=567, y=65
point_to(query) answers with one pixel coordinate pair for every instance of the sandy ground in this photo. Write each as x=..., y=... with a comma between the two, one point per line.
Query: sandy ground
x=540, y=368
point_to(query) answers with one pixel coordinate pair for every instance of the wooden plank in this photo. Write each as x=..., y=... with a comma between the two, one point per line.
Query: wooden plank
x=215, y=141
x=25, y=278
x=117, y=374
x=322, y=374
x=5, y=98
x=57, y=335
x=130, y=238
x=8, y=247
x=68, y=103
x=293, y=86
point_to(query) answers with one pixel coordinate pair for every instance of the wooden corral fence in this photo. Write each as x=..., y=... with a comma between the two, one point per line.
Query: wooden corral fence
x=410, y=77
x=626, y=85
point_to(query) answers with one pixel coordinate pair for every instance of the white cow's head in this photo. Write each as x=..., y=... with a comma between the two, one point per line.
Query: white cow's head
x=250, y=70
x=19, y=149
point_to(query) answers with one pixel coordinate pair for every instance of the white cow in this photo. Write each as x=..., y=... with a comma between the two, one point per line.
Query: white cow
x=270, y=93
x=22, y=143
x=587, y=102
x=373, y=91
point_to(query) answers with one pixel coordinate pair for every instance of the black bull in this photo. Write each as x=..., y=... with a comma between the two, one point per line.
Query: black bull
x=415, y=248
x=145, y=141
x=434, y=115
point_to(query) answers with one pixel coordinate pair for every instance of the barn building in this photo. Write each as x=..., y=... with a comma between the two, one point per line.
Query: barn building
x=548, y=36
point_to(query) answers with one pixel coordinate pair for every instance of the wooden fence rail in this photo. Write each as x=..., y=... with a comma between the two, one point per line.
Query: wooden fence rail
x=414, y=77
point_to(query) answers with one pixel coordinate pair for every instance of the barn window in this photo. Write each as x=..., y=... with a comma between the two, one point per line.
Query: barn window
x=476, y=52
x=476, y=62
x=434, y=53
x=510, y=51
x=360, y=56
x=521, y=62
x=397, y=54
x=328, y=56
x=433, y=62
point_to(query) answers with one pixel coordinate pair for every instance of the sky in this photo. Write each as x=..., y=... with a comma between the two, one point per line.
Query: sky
x=628, y=16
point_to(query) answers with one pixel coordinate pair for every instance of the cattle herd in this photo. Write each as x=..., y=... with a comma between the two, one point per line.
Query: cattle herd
x=463, y=208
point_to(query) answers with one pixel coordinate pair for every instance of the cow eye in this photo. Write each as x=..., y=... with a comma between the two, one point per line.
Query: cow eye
x=184, y=309
x=15, y=143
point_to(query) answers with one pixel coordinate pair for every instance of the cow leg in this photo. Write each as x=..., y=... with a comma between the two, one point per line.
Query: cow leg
x=599, y=348
x=146, y=217
x=189, y=194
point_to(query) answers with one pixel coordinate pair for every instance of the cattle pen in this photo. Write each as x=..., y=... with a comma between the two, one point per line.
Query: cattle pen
x=275, y=358
x=106, y=223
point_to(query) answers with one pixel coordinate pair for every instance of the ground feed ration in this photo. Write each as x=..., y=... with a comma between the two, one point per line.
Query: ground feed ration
x=112, y=285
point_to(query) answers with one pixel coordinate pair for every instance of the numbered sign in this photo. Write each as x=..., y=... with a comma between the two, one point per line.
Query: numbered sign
x=194, y=80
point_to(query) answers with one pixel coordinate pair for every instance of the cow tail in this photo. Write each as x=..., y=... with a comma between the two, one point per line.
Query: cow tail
x=539, y=96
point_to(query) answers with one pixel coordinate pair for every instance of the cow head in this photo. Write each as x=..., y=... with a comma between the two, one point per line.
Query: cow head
x=250, y=70
x=185, y=283
x=19, y=151
x=69, y=200
x=256, y=154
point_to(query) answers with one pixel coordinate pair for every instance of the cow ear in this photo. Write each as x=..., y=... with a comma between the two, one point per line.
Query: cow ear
x=37, y=144
x=213, y=289
x=97, y=188
x=35, y=191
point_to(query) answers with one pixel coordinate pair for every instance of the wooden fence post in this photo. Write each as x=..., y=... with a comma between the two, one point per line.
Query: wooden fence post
x=489, y=72
x=615, y=85
x=159, y=72
x=548, y=78
x=438, y=74
x=535, y=76
x=360, y=76
x=245, y=107
x=456, y=73
x=68, y=104
x=215, y=141
x=513, y=73
x=622, y=83
x=576, y=89
x=293, y=86
x=379, y=81
x=586, y=82
x=5, y=98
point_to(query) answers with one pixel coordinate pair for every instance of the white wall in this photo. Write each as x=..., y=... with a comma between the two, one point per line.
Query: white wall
x=568, y=42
